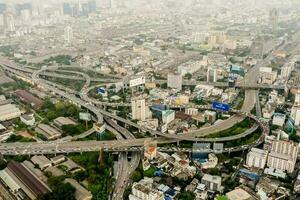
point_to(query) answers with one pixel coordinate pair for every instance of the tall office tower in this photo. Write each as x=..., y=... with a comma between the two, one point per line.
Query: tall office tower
x=175, y=81
x=25, y=15
x=92, y=6
x=273, y=18
x=23, y=6
x=68, y=34
x=283, y=156
x=138, y=107
x=67, y=10
x=115, y=3
x=2, y=8
x=1, y=20
x=9, y=22
x=211, y=75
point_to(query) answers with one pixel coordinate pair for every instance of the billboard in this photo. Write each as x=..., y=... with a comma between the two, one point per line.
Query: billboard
x=137, y=81
x=220, y=106
x=85, y=116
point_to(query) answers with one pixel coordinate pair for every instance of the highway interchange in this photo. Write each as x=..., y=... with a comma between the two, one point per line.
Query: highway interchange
x=126, y=142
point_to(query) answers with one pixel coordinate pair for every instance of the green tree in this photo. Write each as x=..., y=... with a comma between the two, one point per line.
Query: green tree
x=61, y=191
x=186, y=196
x=136, y=176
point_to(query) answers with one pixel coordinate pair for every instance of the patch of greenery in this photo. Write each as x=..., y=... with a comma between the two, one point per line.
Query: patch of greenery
x=237, y=129
x=98, y=175
x=186, y=196
x=60, y=190
x=60, y=59
x=18, y=138
x=150, y=172
x=50, y=111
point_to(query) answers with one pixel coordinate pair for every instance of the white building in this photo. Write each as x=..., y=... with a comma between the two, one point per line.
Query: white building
x=140, y=111
x=29, y=119
x=283, y=156
x=257, y=158
x=144, y=190
x=68, y=34
x=191, y=111
x=278, y=119
x=213, y=183
x=8, y=112
x=297, y=98
x=267, y=76
x=286, y=71
x=210, y=116
x=42, y=161
x=212, y=75
x=9, y=22
x=175, y=81
x=168, y=116
x=295, y=115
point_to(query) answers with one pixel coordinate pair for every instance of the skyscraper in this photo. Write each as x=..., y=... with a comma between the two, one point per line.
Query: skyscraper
x=273, y=18
x=68, y=34
x=138, y=107
x=9, y=22
x=212, y=75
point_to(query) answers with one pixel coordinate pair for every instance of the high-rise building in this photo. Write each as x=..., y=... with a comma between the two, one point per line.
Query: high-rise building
x=273, y=18
x=92, y=6
x=283, y=156
x=297, y=98
x=212, y=75
x=67, y=10
x=2, y=8
x=295, y=115
x=9, y=22
x=138, y=107
x=68, y=34
x=213, y=183
x=257, y=158
x=175, y=81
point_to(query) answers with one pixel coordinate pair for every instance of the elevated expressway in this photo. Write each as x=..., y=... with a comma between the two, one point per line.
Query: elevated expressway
x=250, y=100
x=100, y=113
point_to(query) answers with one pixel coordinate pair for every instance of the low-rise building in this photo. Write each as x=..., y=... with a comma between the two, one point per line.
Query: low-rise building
x=49, y=132
x=210, y=116
x=28, y=119
x=278, y=119
x=239, y=194
x=71, y=166
x=61, y=121
x=81, y=193
x=58, y=159
x=42, y=161
x=29, y=98
x=191, y=111
x=8, y=112
x=28, y=182
x=144, y=190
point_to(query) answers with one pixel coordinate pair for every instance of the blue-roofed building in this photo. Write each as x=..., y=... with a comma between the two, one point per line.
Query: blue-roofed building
x=237, y=70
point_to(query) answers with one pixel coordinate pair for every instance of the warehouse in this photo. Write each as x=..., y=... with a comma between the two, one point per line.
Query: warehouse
x=49, y=132
x=81, y=193
x=8, y=112
x=62, y=121
x=30, y=184
x=29, y=98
